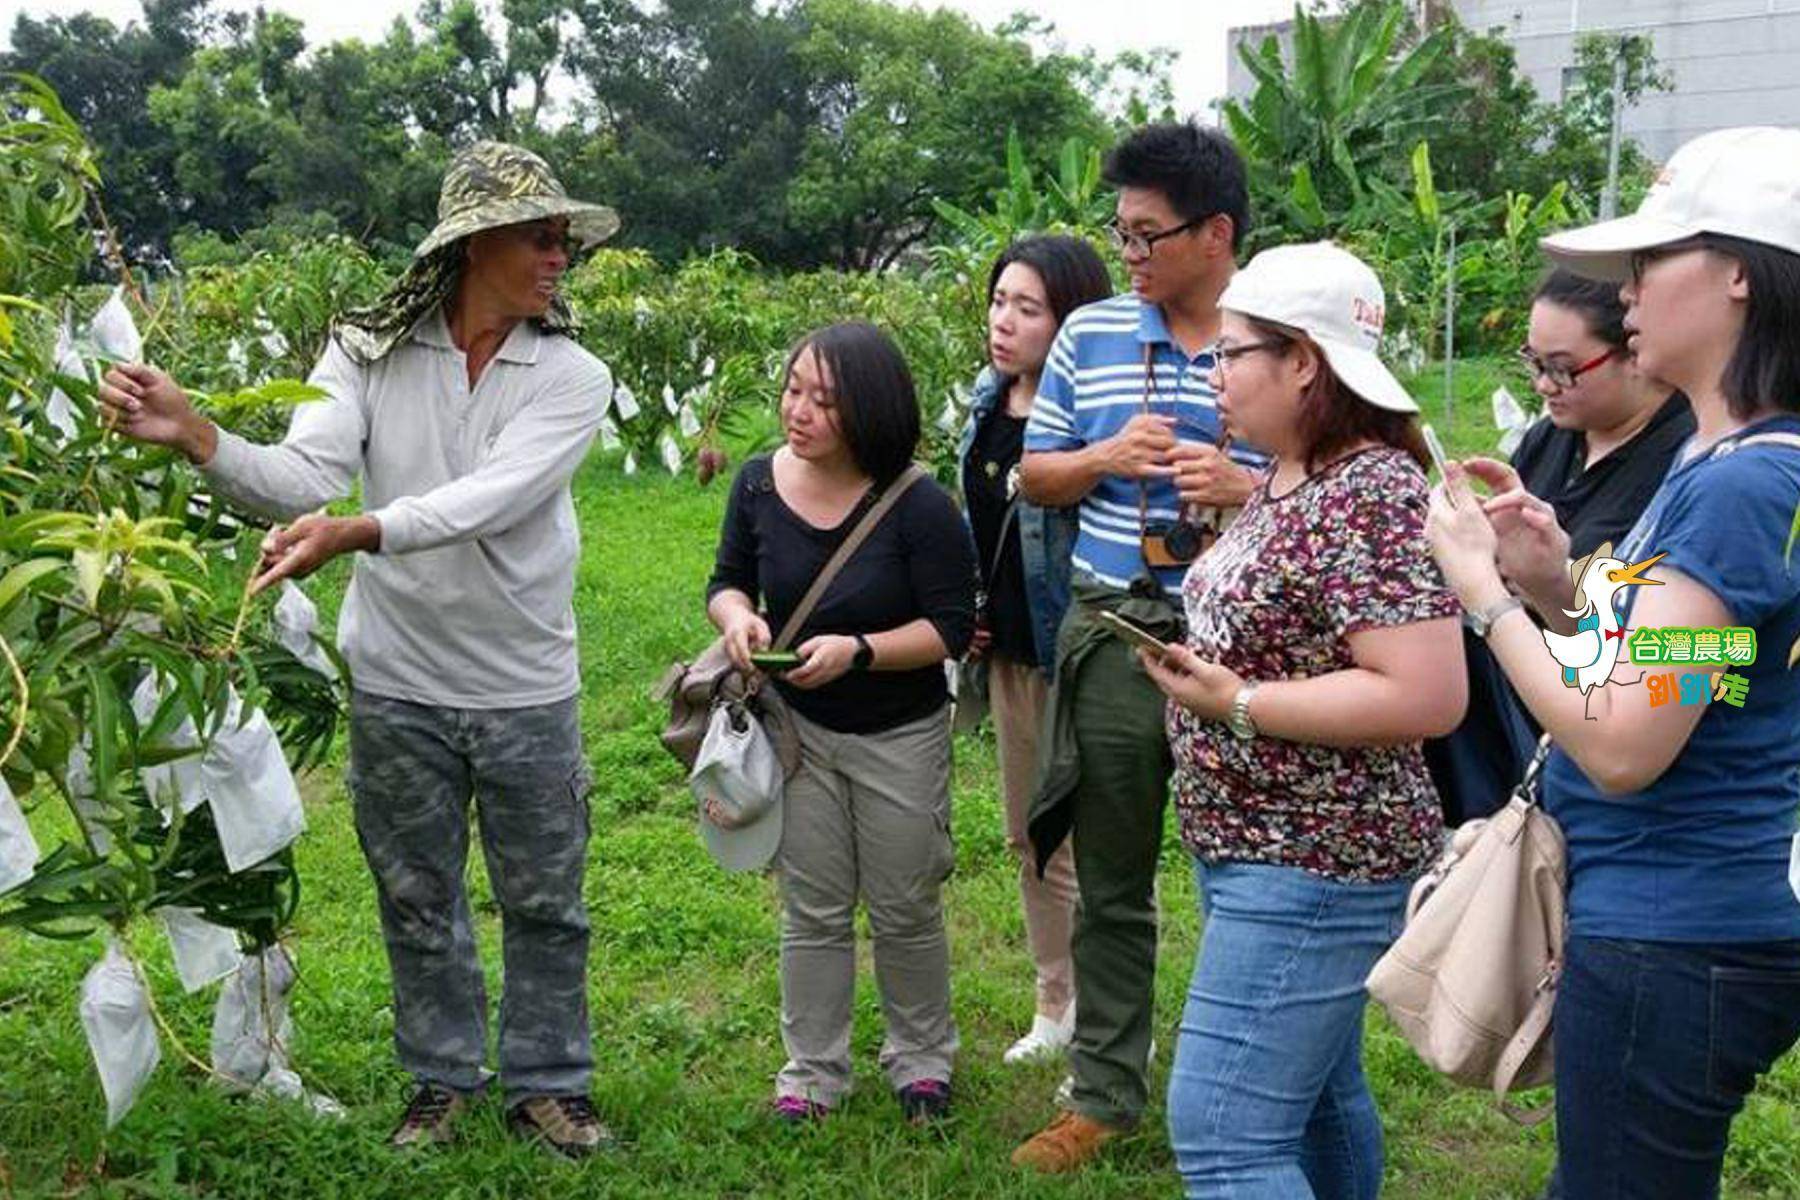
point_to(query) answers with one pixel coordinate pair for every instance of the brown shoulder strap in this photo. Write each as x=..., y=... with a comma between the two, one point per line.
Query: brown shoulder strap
x=850, y=545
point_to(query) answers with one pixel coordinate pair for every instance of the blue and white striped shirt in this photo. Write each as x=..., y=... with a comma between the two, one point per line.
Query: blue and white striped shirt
x=1092, y=385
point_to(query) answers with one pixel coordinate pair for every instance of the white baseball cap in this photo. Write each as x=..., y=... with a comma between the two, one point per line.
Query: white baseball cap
x=1334, y=298
x=1743, y=183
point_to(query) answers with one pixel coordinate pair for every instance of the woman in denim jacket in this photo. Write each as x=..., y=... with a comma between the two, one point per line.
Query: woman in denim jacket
x=1023, y=555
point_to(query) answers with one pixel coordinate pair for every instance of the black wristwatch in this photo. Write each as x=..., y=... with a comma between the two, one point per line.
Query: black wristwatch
x=865, y=654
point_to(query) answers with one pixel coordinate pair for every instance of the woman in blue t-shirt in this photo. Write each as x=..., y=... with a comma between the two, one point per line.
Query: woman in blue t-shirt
x=1678, y=798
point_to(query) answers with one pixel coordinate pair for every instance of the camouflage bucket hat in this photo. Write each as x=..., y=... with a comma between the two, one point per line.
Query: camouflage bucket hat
x=490, y=184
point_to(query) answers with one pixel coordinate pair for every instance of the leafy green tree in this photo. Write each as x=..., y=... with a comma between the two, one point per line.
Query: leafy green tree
x=805, y=132
x=691, y=125
x=911, y=105
x=1488, y=119
x=1576, y=132
x=221, y=125
x=104, y=76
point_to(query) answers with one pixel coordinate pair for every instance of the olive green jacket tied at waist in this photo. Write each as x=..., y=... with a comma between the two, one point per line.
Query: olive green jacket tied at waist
x=1059, y=757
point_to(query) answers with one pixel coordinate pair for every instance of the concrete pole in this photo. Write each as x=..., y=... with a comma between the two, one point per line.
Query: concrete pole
x=1609, y=199
x=1450, y=336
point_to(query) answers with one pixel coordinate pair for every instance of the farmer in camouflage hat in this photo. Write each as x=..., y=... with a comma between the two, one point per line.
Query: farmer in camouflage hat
x=462, y=405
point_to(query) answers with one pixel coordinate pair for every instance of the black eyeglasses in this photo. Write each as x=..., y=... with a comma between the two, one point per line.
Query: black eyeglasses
x=1642, y=259
x=1143, y=244
x=1226, y=353
x=1558, y=374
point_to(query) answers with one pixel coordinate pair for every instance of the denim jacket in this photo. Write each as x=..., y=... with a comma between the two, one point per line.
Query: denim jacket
x=1046, y=535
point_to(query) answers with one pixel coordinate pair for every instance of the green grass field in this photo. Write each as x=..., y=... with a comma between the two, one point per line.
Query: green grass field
x=684, y=998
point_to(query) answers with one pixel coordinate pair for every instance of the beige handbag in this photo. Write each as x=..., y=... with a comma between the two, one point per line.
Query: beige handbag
x=692, y=689
x=1471, y=980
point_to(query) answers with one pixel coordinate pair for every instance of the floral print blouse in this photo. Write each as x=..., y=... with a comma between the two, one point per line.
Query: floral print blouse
x=1276, y=598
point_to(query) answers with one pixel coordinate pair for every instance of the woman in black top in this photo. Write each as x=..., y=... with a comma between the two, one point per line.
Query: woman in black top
x=867, y=814
x=1023, y=551
x=1593, y=459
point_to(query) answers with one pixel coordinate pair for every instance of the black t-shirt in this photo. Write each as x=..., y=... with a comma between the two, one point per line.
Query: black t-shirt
x=998, y=444
x=1476, y=767
x=1601, y=503
x=917, y=563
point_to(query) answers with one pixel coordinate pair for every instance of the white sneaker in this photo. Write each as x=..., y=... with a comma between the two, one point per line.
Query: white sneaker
x=1046, y=1037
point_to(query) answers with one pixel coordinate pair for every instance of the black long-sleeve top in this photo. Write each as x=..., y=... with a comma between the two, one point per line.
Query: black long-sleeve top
x=919, y=562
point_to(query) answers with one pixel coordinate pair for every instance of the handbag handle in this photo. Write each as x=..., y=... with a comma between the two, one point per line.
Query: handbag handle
x=850, y=545
x=1528, y=789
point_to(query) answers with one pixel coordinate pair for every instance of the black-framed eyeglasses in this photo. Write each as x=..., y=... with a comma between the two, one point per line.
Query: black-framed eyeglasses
x=1128, y=241
x=1641, y=259
x=1226, y=353
x=1557, y=373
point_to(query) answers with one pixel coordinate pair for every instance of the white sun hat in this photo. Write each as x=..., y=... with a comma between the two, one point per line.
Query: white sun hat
x=1334, y=298
x=1742, y=183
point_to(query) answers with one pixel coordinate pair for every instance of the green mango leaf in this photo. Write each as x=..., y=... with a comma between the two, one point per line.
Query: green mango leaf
x=21, y=577
x=90, y=574
x=103, y=732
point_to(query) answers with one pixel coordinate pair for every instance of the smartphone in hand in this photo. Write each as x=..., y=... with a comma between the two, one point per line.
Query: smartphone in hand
x=775, y=661
x=1438, y=459
x=1137, y=635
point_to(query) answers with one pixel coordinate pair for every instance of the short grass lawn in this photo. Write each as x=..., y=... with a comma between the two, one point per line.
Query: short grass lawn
x=684, y=998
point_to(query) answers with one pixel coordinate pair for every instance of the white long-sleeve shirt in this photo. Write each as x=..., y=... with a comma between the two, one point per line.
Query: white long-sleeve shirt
x=469, y=602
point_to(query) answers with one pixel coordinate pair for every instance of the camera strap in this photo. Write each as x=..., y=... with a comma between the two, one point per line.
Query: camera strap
x=1143, y=489
x=1207, y=519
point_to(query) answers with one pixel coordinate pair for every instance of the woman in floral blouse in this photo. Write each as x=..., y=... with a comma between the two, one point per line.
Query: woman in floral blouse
x=1323, y=648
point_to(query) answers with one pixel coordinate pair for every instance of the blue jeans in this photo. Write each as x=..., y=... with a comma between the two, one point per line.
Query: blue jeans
x=1267, y=1100
x=1657, y=1046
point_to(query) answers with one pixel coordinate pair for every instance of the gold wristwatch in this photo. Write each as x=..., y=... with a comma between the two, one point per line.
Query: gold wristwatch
x=1239, y=718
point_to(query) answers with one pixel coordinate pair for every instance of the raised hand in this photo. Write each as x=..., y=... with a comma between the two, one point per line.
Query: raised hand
x=142, y=402
x=1205, y=476
x=1141, y=449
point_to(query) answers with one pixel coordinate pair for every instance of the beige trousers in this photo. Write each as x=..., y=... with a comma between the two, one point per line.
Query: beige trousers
x=1016, y=695
x=866, y=817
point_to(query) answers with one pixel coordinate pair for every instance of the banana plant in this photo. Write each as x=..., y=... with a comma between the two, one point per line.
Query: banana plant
x=1312, y=130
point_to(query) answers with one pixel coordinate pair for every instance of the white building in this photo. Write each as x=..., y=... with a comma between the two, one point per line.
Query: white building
x=1731, y=62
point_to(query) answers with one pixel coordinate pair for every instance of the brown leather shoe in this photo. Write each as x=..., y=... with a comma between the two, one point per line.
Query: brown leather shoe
x=1067, y=1144
x=430, y=1117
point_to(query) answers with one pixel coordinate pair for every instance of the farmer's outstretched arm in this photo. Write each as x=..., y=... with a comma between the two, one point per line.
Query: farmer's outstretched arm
x=317, y=462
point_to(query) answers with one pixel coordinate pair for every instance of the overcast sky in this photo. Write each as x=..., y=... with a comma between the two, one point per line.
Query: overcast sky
x=1195, y=28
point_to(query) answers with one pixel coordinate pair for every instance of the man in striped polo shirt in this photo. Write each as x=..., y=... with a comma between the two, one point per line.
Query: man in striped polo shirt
x=1126, y=427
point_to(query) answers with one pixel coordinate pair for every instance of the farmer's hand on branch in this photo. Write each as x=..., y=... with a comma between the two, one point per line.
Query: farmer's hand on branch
x=142, y=402
x=306, y=545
